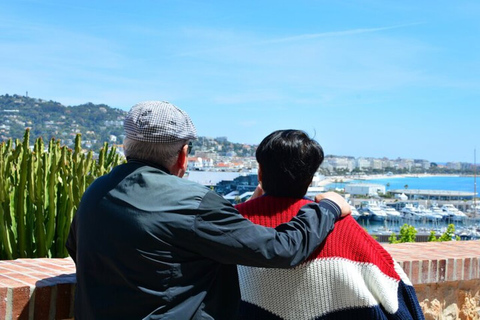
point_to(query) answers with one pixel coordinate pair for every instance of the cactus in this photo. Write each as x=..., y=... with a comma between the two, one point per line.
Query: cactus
x=20, y=202
x=40, y=192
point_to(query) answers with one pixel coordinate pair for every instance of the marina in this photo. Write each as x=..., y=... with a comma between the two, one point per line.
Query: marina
x=469, y=229
x=424, y=202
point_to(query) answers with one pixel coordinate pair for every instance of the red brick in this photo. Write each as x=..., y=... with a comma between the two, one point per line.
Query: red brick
x=407, y=268
x=42, y=303
x=20, y=303
x=8, y=282
x=26, y=279
x=450, y=272
x=11, y=267
x=415, y=271
x=459, y=270
x=475, y=268
x=433, y=271
x=467, y=272
x=441, y=270
x=3, y=303
x=425, y=273
x=64, y=297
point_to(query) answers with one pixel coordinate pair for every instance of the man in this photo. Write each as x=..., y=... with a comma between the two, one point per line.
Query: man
x=149, y=245
x=350, y=276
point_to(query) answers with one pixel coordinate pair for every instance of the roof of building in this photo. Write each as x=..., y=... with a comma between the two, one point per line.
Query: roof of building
x=432, y=192
x=211, y=177
x=374, y=185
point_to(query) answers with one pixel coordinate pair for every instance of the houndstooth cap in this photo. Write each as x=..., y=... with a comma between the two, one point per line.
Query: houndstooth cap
x=158, y=121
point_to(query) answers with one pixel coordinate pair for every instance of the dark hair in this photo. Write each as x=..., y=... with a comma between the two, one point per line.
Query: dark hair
x=288, y=160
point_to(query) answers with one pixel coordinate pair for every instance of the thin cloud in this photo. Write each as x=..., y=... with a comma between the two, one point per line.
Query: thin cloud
x=298, y=38
x=337, y=33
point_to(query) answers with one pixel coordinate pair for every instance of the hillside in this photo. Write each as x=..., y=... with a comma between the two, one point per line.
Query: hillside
x=50, y=119
x=98, y=123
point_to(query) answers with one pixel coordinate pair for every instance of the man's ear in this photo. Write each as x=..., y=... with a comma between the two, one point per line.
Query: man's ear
x=182, y=157
x=180, y=166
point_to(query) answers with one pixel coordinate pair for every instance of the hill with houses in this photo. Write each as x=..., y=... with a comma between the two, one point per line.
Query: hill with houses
x=97, y=123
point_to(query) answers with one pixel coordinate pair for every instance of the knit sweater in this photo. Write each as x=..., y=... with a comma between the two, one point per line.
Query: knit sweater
x=350, y=276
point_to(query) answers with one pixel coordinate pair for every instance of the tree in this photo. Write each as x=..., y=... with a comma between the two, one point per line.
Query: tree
x=393, y=238
x=237, y=199
x=449, y=234
x=408, y=233
x=432, y=237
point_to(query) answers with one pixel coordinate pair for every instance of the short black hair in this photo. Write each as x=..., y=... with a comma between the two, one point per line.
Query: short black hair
x=288, y=160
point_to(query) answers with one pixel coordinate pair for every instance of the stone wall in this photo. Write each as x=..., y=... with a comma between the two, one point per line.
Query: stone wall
x=450, y=299
x=446, y=276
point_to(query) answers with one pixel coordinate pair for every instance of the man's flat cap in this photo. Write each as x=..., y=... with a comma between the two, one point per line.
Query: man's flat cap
x=158, y=121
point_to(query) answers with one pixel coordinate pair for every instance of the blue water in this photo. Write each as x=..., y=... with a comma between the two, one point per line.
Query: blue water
x=451, y=183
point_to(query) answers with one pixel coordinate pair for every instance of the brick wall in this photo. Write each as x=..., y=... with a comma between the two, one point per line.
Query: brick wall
x=37, y=289
x=446, y=276
x=432, y=262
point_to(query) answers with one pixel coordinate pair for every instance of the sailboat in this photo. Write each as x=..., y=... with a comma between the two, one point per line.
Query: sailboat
x=475, y=207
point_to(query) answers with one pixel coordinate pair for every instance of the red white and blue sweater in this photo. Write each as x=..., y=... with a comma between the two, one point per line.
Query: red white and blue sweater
x=350, y=276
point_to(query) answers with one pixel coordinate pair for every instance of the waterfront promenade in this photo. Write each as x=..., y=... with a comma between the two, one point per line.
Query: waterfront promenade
x=344, y=178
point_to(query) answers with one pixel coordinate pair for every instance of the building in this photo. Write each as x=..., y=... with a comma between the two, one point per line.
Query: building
x=366, y=189
x=434, y=195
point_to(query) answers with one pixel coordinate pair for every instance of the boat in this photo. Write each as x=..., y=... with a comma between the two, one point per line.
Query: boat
x=355, y=214
x=428, y=214
x=410, y=212
x=392, y=214
x=437, y=210
x=374, y=211
x=453, y=213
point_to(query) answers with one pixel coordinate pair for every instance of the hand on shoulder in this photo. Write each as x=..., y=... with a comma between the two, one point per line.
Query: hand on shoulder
x=338, y=199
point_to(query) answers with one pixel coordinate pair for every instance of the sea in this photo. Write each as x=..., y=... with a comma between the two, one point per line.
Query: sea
x=449, y=183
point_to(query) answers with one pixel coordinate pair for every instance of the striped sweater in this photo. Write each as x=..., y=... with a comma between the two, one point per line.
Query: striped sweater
x=350, y=276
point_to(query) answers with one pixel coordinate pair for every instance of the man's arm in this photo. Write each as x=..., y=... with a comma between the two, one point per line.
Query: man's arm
x=222, y=234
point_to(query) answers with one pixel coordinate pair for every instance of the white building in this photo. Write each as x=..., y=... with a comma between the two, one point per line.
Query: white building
x=368, y=189
x=377, y=164
x=454, y=165
x=341, y=163
x=363, y=163
x=405, y=164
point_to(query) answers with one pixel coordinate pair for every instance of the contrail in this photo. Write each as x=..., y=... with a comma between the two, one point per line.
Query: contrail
x=338, y=33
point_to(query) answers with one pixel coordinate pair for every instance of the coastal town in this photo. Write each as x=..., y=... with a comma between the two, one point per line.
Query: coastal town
x=230, y=168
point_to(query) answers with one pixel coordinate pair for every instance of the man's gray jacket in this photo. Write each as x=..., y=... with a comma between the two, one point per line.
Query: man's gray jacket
x=150, y=245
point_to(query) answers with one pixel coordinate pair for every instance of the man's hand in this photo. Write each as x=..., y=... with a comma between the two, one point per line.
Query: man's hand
x=257, y=193
x=338, y=199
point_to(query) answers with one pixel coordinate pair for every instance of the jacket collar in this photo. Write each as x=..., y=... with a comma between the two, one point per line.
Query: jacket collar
x=148, y=163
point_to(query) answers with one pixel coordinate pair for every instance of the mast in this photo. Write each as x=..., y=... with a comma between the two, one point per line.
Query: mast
x=475, y=182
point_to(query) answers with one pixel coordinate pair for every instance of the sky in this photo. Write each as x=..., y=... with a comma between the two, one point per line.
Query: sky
x=374, y=78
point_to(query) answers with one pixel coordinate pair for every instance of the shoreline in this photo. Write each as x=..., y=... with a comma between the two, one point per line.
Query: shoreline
x=332, y=179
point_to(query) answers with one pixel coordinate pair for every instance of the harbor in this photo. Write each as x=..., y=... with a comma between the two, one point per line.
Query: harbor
x=382, y=225
x=381, y=204
x=428, y=203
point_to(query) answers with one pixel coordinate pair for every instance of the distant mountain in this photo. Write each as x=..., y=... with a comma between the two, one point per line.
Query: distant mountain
x=49, y=119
